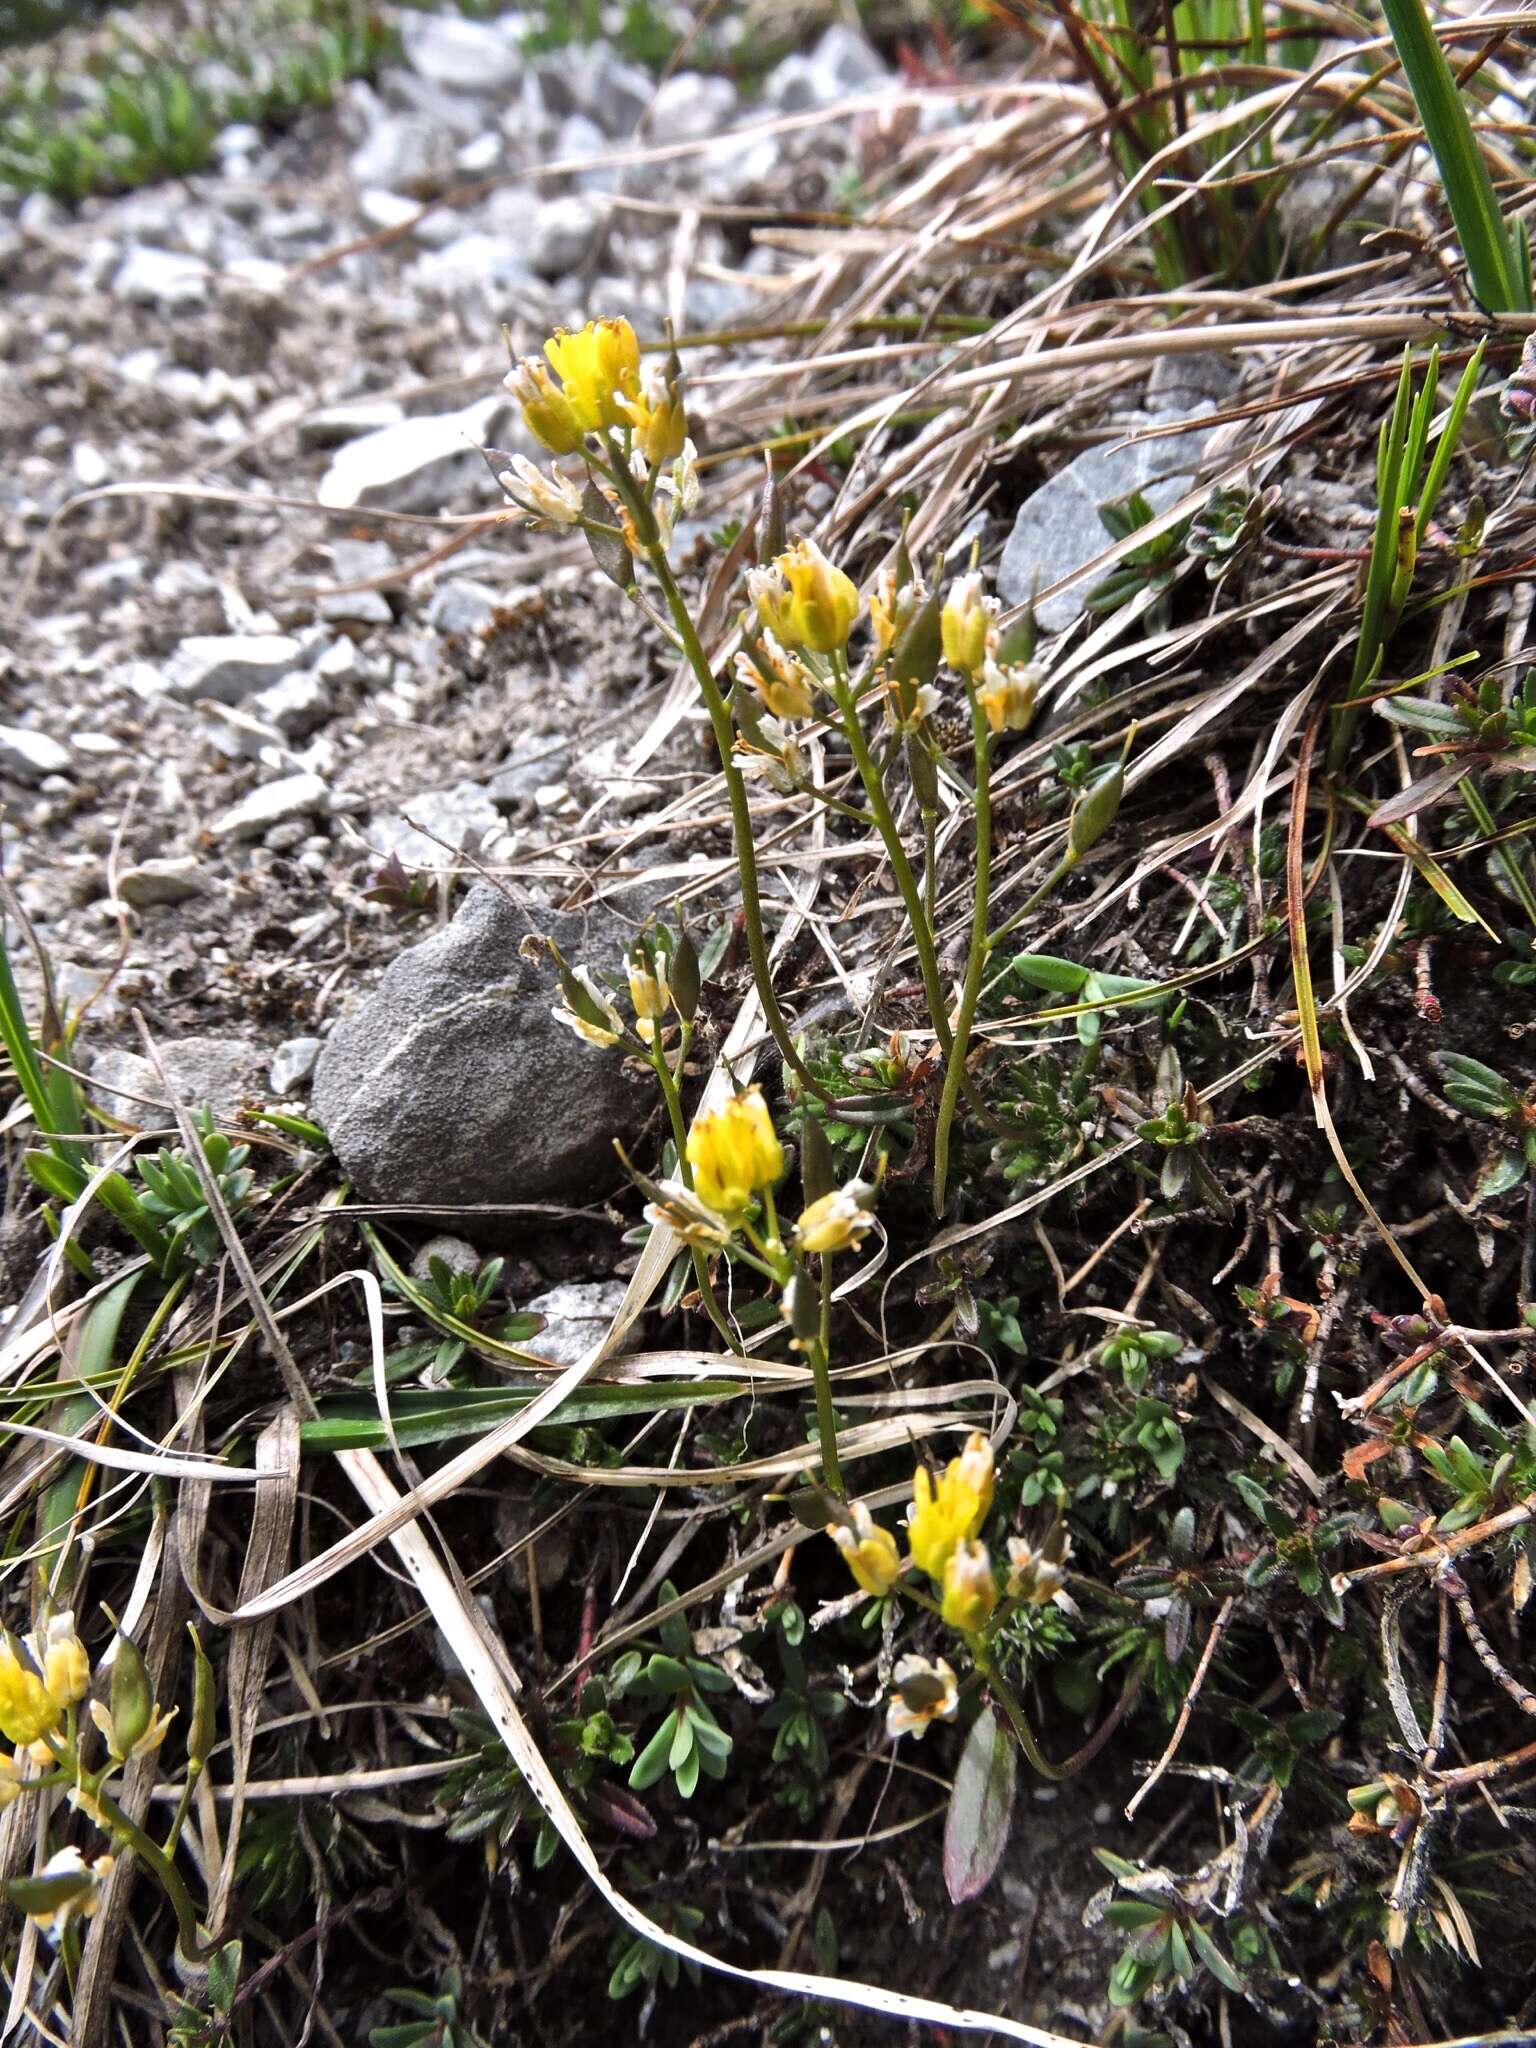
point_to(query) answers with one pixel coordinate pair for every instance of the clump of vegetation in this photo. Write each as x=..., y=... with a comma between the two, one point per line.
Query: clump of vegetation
x=1088, y=1347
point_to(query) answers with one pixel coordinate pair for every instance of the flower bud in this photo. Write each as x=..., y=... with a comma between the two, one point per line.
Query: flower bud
x=816, y=1171
x=1094, y=811
x=805, y=599
x=970, y=1591
x=800, y=1306
x=130, y=1698
x=913, y=661
x=547, y=412
x=203, y=1727
x=837, y=1220
x=869, y=1551
x=964, y=622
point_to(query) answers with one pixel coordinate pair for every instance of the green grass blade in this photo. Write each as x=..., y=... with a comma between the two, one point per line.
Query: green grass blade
x=1492, y=262
x=1445, y=447
x=430, y=1415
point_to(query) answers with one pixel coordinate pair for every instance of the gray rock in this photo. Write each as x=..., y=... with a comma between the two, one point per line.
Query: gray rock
x=461, y=607
x=1178, y=383
x=1058, y=530
x=403, y=153
x=229, y=667
x=474, y=266
x=454, y=818
x=575, y=1317
x=415, y=466
x=174, y=878
x=297, y=704
x=221, y=1072
x=335, y=425
x=293, y=1063
x=274, y=803
x=29, y=755
x=456, y=1253
x=464, y=56
x=453, y=1083
x=690, y=106
x=11, y=246
x=842, y=63
x=532, y=768
x=563, y=235
x=163, y=278
x=597, y=82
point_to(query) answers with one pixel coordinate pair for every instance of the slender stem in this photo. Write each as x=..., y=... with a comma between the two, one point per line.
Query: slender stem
x=183, y=1808
x=901, y=867
x=741, y=818
x=1058, y=873
x=1487, y=824
x=164, y=1869
x=1004, y=1694
x=975, y=966
x=670, y=1096
x=826, y=1418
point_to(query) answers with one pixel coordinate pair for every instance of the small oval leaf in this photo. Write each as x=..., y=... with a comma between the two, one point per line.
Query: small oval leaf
x=980, y=1808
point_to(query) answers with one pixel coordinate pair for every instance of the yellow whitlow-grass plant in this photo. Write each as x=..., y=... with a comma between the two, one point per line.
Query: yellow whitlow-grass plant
x=625, y=470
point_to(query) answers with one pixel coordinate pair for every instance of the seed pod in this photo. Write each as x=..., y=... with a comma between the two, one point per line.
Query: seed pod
x=1094, y=811
x=685, y=975
x=608, y=550
x=916, y=653
x=925, y=776
x=130, y=1698
x=770, y=516
x=1016, y=648
x=203, y=1727
x=801, y=1307
x=817, y=1175
x=904, y=570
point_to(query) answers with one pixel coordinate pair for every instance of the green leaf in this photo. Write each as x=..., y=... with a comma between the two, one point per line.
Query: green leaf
x=980, y=1808
x=434, y=1415
x=650, y=1765
x=1224, y=1972
x=1485, y=240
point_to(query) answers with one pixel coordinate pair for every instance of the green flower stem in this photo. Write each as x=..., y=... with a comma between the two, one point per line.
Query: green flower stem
x=826, y=1419
x=1004, y=1694
x=975, y=966
x=1509, y=863
x=896, y=853
x=741, y=821
x=1059, y=873
x=670, y=1096
x=134, y=1837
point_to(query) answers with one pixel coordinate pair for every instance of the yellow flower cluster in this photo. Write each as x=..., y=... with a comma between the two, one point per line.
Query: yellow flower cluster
x=41, y=1677
x=1006, y=690
x=598, y=368
x=943, y=1523
x=735, y=1153
x=804, y=601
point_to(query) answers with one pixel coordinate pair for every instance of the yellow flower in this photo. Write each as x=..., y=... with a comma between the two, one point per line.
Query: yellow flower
x=76, y=1885
x=13, y=1779
x=547, y=412
x=599, y=371
x=780, y=678
x=154, y=1733
x=65, y=1666
x=1007, y=695
x=803, y=599
x=650, y=995
x=924, y=1691
x=868, y=1550
x=588, y=1012
x=1036, y=1576
x=658, y=418
x=890, y=608
x=963, y=624
x=679, y=1208
x=28, y=1711
x=970, y=1591
x=945, y=1515
x=552, y=500
x=836, y=1221
x=734, y=1153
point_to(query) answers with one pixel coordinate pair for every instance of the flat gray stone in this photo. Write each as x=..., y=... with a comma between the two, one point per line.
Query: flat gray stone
x=1058, y=530
x=450, y=819
x=296, y=705
x=453, y=1083
x=335, y=425
x=163, y=278
x=405, y=153
x=221, y=1072
x=293, y=1063
x=533, y=767
x=229, y=667
x=29, y=755
x=575, y=1317
x=461, y=607
x=477, y=265
x=691, y=106
x=415, y=466
x=174, y=878
x=462, y=55
x=456, y=1253
x=274, y=803
x=563, y=235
